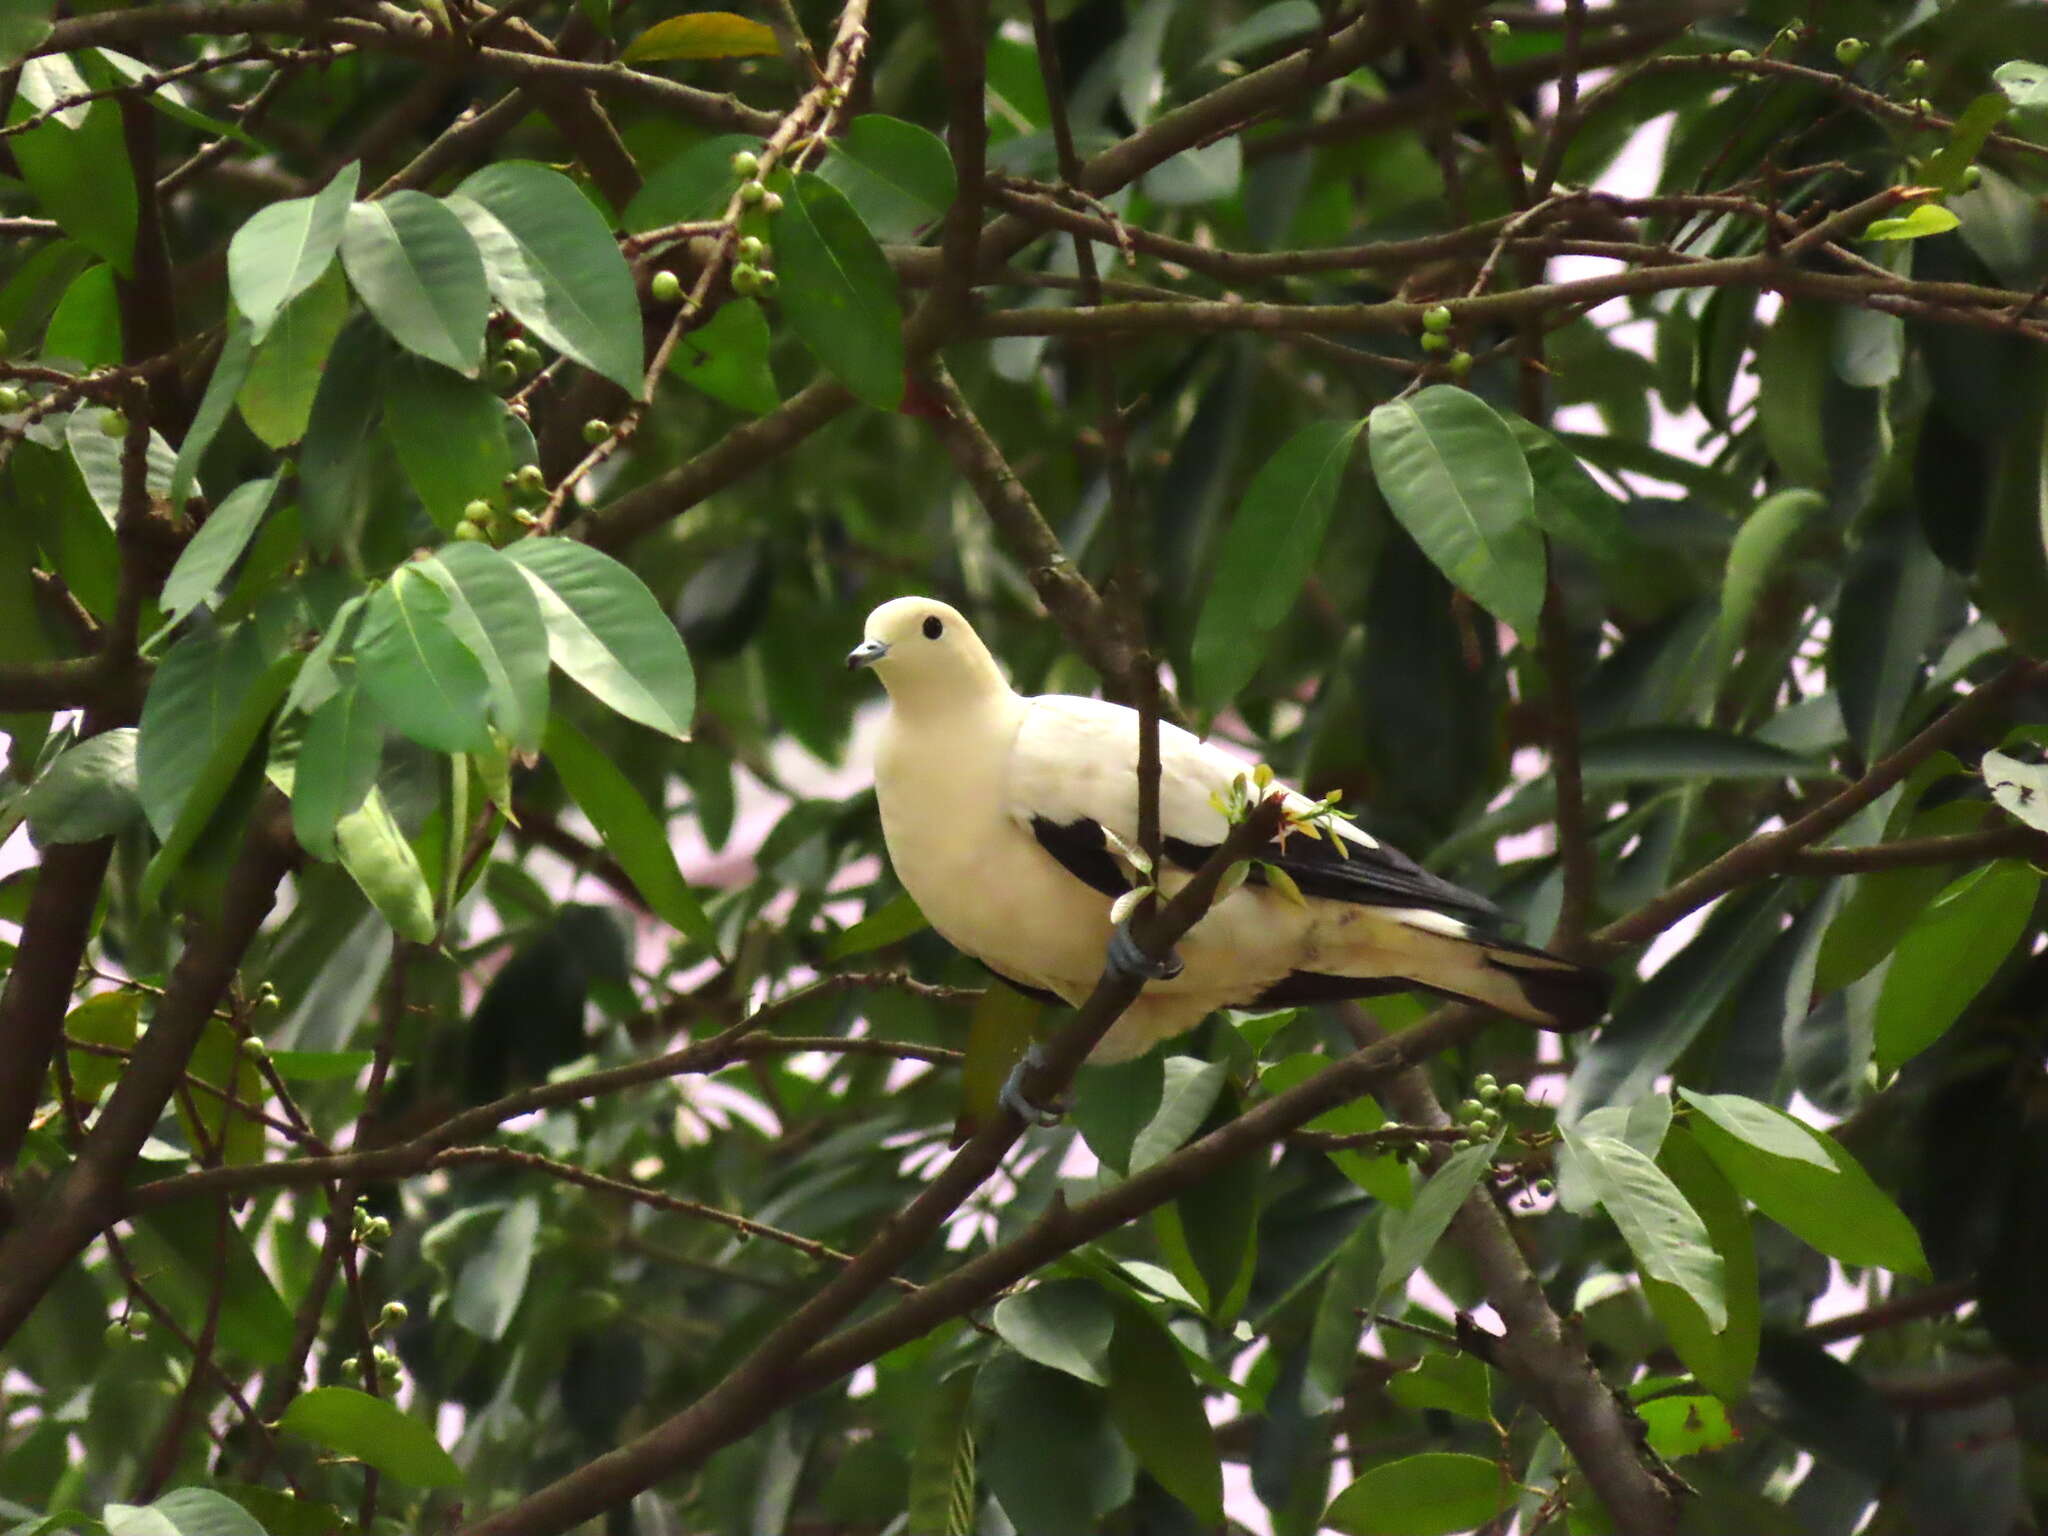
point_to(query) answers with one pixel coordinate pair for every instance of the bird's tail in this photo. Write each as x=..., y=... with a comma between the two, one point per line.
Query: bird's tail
x=1518, y=980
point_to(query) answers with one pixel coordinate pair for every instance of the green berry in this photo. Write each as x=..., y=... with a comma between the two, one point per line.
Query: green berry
x=116, y=1335
x=1913, y=69
x=11, y=399
x=596, y=430
x=772, y=203
x=388, y=1371
x=665, y=286
x=114, y=423
x=1740, y=56
x=1498, y=27
x=765, y=280
x=351, y=1366
x=1489, y=1094
x=1922, y=106
x=376, y=1230
x=1849, y=52
x=1788, y=35
x=1437, y=318
x=746, y=281
x=1486, y=1080
x=1515, y=1095
x=1468, y=1110
x=393, y=1314
x=530, y=479
x=504, y=371
x=1973, y=177
x=478, y=512
x=746, y=164
x=139, y=1324
x=753, y=194
x=254, y=1048
x=472, y=533
x=1435, y=341
x=1545, y=1187
x=1460, y=364
x=752, y=248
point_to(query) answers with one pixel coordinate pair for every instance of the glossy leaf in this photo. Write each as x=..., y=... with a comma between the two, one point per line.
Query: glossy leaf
x=837, y=291
x=2020, y=789
x=1758, y=557
x=1064, y=1325
x=417, y=270
x=371, y=1430
x=334, y=460
x=1664, y=1233
x=898, y=177
x=891, y=923
x=337, y=766
x=285, y=248
x=1047, y=1450
x=230, y=372
x=1270, y=547
x=1406, y=1237
x=205, y=562
x=606, y=633
x=1760, y=1125
x=494, y=614
x=90, y=791
x=492, y=1281
x=696, y=184
x=382, y=863
x=1434, y=1493
x=1457, y=480
x=106, y=1018
x=941, y=1499
x=727, y=358
x=1158, y=1410
x=1927, y=219
x=1838, y=1209
x=423, y=679
x=1947, y=956
x=190, y=708
x=701, y=35
x=631, y=832
x=78, y=170
x=182, y=1512
x=1720, y=1359
x=86, y=326
x=451, y=436
x=276, y=399
x=1570, y=504
x=552, y=263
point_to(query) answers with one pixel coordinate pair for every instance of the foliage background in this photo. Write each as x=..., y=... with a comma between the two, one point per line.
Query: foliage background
x=362, y=359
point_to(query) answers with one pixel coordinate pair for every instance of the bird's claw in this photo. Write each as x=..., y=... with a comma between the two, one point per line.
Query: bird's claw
x=1127, y=959
x=1011, y=1095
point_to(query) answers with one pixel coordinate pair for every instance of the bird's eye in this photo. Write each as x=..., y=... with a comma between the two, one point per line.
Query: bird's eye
x=933, y=628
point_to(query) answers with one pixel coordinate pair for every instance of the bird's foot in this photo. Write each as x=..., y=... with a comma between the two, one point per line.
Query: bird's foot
x=1011, y=1095
x=1127, y=959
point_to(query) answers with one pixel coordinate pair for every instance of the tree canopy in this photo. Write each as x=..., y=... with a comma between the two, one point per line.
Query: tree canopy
x=469, y=1067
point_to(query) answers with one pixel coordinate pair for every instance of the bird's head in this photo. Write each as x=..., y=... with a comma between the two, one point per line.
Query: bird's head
x=923, y=650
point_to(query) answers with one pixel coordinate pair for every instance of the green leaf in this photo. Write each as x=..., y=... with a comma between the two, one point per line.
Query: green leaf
x=999, y=1032
x=1189, y=1092
x=337, y=766
x=1687, y=752
x=425, y=682
x=1761, y=1126
x=2025, y=84
x=941, y=1499
x=1794, y=380
x=493, y=612
x=85, y=328
x=1570, y=504
x=1266, y=555
x=1383, y=1176
x=90, y=791
x=1897, y=604
x=218, y=1059
x=1837, y=1209
x=1458, y=482
x=702, y=35
x=1927, y=219
x=727, y=358
x=382, y=863
x=282, y=250
x=608, y=634
x=204, y=563
x=371, y=1430
x=1722, y=1359
x=1685, y=1425
x=1406, y=1237
x=1157, y=1408
x=630, y=832
x=417, y=270
x=182, y=1512
x=230, y=371
x=1435, y=1493
x=837, y=291
x=1664, y=1233
x=1947, y=956
x=1047, y=1449
x=1459, y=1384
x=891, y=923
x=98, y=457
x=334, y=461
x=276, y=399
x=492, y=1280
x=1064, y=1325
x=450, y=435
x=80, y=173
x=898, y=177
x=238, y=734
x=2020, y=789
x=109, y=1018
x=1946, y=167
x=319, y=1066
x=696, y=184
x=23, y=24
x=1757, y=557
x=552, y=262
x=191, y=706
x=179, y=1247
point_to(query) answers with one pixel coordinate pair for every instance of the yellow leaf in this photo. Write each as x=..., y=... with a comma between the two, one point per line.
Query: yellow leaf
x=1283, y=883
x=702, y=35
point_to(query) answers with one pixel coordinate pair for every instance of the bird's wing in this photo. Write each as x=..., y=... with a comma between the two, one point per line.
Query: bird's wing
x=1073, y=776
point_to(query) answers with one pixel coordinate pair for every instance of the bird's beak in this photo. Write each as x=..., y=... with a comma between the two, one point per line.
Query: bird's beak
x=866, y=654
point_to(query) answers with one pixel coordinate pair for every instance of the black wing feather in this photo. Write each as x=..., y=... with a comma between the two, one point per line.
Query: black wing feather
x=1380, y=877
x=1083, y=852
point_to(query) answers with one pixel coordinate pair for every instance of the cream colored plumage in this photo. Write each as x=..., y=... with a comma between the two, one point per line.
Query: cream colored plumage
x=994, y=807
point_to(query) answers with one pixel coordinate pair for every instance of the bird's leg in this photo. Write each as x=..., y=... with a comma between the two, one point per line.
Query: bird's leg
x=1127, y=959
x=1013, y=1098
